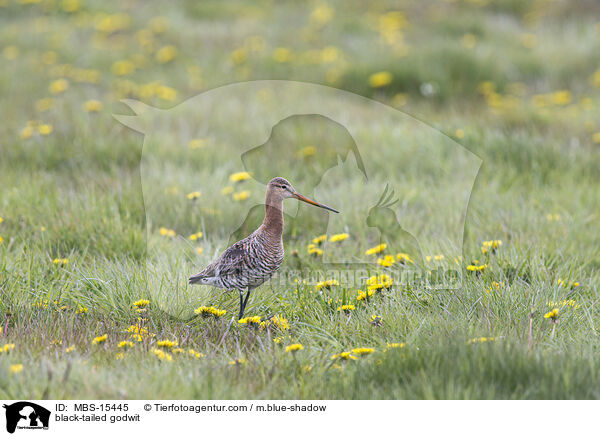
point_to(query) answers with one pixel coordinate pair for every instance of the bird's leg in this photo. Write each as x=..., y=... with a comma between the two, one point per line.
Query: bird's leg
x=243, y=304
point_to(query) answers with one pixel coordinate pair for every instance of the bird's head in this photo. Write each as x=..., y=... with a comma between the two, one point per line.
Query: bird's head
x=279, y=189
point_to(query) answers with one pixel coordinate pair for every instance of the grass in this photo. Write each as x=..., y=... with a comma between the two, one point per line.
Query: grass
x=97, y=193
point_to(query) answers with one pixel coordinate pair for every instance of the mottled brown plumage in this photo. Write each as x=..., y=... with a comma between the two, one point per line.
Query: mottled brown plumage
x=252, y=261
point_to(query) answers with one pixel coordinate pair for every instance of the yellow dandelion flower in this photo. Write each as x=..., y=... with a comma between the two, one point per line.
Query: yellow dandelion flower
x=81, y=310
x=404, y=258
x=206, y=311
x=16, y=368
x=70, y=5
x=99, y=339
x=92, y=106
x=6, y=348
x=162, y=355
x=400, y=99
x=386, y=261
x=239, y=55
x=363, y=350
x=199, y=250
x=70, y=349
x=59, y=261
x=391, y=345
x=166, y=54
x=492, y=245
x=195, y=236
x=376, y=250
x=141, y=303
x=239, y=177
x=58, y=86
x=480, y=340
x=294, y=347
x=166, y=232
x=250, y=320
x=564, y=303
x=562, y=97
x=552, y=315
x=195, y=354
x=193, y=195
x=326, y=284
x=380, y=79
x=319, y=239
x=376, y=320
x=282, y=55
x=26, y=132
x=113, y=23
x=227, y=190
x=382, y=281
x=276, y=321
x=315, y=251
x=125, y=344
x=166, y=92
x=120, y=356
x=346, y=355
x=321, y=14
x=239, y=361
x=346, y=308
x=339, y=237
x=308, y=151
x=122, y=68
x=240, y=196
x=363, y=295
x=196, y=143
x=165, y=343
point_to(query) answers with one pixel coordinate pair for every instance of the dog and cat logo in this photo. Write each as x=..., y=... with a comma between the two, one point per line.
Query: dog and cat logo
x=26, y=415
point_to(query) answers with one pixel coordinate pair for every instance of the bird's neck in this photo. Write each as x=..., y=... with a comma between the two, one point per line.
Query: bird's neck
x=273, y=222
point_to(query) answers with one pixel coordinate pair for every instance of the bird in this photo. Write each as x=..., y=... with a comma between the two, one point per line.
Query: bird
x=252, y=261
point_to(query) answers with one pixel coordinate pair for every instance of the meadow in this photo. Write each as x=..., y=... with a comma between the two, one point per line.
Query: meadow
x=101, y=225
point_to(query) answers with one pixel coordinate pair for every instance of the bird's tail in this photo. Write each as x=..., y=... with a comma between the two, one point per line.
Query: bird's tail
x=196, y=279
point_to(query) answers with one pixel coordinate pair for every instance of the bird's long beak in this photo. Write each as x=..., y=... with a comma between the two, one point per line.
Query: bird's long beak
x=314, y=203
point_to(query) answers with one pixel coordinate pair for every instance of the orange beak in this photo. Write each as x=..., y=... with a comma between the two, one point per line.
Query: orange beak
x=314, y=203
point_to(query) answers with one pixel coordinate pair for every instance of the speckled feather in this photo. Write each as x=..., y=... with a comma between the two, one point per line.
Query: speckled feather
x=246, y=264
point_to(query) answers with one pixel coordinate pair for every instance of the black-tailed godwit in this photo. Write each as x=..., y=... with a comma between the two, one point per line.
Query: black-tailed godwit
x=252, y=261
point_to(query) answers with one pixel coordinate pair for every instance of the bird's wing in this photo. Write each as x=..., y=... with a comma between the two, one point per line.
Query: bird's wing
x=232, y=259
x=229, y=263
